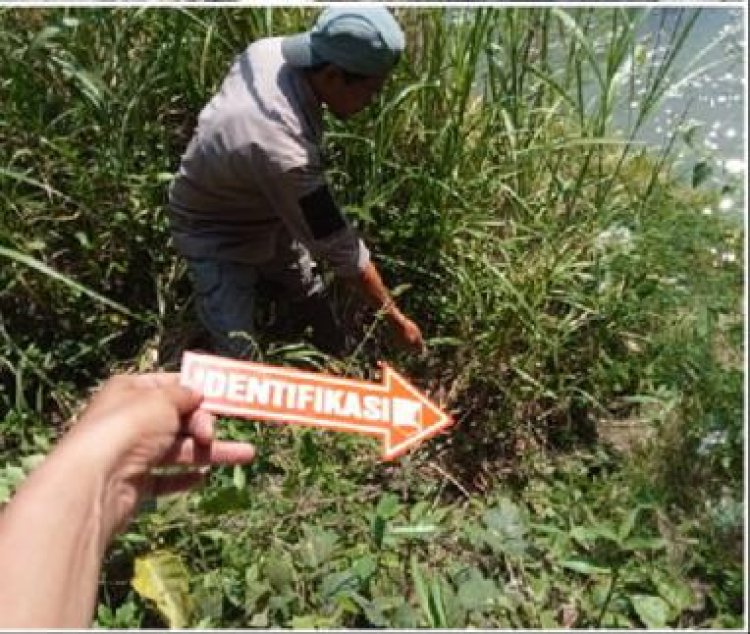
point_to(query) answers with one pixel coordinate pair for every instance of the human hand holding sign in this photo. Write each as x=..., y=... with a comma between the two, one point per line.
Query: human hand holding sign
x=150, y=421
x=55, y=531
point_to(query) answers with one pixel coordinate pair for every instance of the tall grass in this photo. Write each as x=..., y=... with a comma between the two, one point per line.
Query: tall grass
x=550, y=261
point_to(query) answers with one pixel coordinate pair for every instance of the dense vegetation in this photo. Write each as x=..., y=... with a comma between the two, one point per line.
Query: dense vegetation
x=584, y=322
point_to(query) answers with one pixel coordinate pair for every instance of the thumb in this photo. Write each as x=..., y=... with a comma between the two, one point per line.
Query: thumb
x=185, y=400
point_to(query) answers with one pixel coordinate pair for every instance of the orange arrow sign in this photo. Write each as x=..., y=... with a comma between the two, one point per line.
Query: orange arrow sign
x=395, y=410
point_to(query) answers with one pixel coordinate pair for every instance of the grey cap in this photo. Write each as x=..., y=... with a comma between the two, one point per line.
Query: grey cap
x=362, y=40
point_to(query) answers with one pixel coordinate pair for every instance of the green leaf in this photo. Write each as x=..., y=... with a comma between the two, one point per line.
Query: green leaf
x=279, y=572
x=32, y=461
x=506, y=528
x=388, y=506
x=338, y=583
x=477, y=593
x=239, y=479
x=419, y=530
x=405, y=617
x=628, y=523
x=607, y=531
x=653, y=611
x=260, y=619
x=162, y=577
x=584, y=567
x=584, y=535
x=372, y=611
x=35, y=264
x=312, y=622
x=378, y=530
x=318, y=546
x=437, y=605
x=701, y=172
x=14, y=475
x=420, y=587
x=644, y=543
x=225, y=499
x=208, y=596
x=255, y=589
x=674, y=590
x=364, y=567
x=548, y=620
x=688, y=132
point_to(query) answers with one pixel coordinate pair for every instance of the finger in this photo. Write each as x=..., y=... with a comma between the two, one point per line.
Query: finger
x=185, y=400
x=200, y=425
x=176, y=482
x=220, y=452
x=155, y=379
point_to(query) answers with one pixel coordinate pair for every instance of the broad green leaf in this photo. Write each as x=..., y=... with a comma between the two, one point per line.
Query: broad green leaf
x=615, y=620
x=473, y=533
x=208, y=597
x=14, y=475
x=279, y=572
x=405, y=617
x=161, y=577
x=653, y=611
x=318, y=546
x=477, y=593
x=372, y=611
x=388, y=506
x=255, y=588
x=674, y=590
x=364, y=567
x=337, y=583
x=506, y=528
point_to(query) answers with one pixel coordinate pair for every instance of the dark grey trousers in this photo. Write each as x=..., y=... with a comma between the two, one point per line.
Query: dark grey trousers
x=227, y=294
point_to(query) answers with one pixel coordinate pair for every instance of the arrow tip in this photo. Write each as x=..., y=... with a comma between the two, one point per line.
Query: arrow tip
x=414, y=418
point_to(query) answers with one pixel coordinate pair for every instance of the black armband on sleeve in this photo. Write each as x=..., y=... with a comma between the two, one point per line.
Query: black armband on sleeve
x=321, y=213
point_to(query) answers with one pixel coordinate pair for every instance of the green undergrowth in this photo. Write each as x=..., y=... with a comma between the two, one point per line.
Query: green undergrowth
x=583, y=315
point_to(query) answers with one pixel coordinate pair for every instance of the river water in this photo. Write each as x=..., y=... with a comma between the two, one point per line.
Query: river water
x=709, y=76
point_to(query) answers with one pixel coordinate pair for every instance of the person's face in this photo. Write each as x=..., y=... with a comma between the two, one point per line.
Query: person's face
x=347, y=98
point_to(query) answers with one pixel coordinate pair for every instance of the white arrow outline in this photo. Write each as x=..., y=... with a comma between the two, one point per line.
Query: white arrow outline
x=390, y=451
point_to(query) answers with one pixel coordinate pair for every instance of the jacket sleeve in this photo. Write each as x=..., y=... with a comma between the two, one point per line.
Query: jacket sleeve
x=301, y=198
